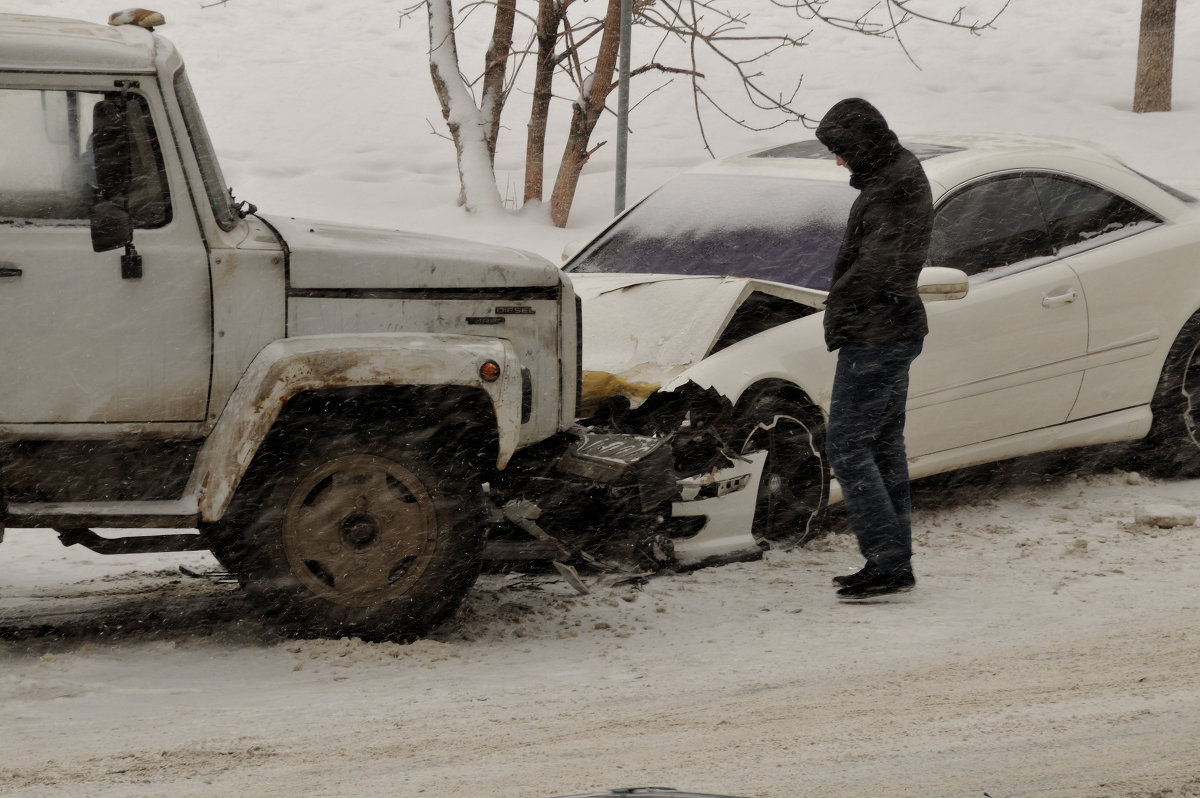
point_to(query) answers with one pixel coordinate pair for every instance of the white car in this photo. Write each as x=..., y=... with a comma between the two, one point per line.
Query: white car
x=1080, y=326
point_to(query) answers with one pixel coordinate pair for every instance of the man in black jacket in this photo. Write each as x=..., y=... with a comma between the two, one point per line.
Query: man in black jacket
x=875, y=320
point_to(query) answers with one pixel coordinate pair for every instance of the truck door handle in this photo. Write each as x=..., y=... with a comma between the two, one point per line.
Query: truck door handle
x=9, y=269
x=1060, y=299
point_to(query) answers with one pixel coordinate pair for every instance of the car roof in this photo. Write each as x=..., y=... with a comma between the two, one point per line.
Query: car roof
x=50, y=44
x=941, y=155
x=952, y=159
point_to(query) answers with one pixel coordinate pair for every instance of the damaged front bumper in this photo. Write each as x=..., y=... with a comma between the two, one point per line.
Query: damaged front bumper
x=721, y=500
x=616, y=500
x=725, y=499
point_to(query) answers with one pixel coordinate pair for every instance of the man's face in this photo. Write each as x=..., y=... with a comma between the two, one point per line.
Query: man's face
x=842, y=161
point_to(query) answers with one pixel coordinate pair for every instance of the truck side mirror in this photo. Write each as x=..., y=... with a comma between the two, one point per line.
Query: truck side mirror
x=110, y=222
x=111, y=226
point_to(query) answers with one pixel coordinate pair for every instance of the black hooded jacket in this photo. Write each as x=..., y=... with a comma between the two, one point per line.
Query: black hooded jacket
x=873, y=300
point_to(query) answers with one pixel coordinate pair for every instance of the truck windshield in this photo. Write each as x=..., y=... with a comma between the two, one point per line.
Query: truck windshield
x=219, y=196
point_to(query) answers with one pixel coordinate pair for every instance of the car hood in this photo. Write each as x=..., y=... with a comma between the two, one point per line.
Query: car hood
x=322, y=255
x=641, y=331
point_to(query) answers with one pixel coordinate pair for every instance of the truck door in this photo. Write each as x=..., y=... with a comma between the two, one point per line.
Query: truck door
x=85, y=341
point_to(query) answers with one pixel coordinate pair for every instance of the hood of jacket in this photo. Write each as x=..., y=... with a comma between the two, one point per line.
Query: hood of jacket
x=855, y=130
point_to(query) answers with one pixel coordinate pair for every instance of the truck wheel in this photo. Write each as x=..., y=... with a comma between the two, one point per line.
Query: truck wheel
x=1173, y=445
x=362, y=538
x=793, y=494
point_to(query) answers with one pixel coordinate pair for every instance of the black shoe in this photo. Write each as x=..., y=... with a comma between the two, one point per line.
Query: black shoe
x=880, y=585
x=846, y=580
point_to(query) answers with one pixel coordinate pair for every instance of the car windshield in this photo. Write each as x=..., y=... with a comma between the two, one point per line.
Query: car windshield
x=768, y=228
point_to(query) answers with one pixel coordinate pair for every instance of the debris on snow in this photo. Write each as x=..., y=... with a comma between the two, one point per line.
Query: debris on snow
x=1164, y=516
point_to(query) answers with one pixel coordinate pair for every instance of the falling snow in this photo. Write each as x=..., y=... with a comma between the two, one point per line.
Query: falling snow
x=1048, y=650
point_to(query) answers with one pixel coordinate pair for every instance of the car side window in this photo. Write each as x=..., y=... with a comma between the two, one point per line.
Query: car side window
x=47, y=167
x=1077, y=212
x=988, y=225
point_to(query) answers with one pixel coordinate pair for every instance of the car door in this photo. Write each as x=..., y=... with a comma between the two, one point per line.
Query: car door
x=1128, y=283
x=1008, y=358
x=83, y=342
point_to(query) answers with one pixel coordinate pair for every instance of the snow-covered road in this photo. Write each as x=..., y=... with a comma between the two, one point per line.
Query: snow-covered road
x=1050, y=649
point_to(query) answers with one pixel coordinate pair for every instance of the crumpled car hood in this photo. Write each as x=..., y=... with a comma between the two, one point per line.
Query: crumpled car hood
x=641, y=331
x=332, y=256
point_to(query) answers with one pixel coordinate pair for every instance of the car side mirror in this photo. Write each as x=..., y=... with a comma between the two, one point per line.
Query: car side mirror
x=110, y=222
x=939, y=283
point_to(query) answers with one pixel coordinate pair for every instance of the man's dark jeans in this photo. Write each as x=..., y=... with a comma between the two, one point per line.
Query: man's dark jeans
x=865, y=443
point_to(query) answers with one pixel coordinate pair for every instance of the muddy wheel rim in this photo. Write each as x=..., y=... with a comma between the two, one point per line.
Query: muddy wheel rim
x=792, y=489
x=359, y=530
x=1190, y=391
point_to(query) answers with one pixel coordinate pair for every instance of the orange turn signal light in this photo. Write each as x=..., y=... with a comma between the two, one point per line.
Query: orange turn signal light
x=489, y=371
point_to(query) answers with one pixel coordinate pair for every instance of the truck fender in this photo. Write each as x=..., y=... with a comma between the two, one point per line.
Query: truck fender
x=291, y=366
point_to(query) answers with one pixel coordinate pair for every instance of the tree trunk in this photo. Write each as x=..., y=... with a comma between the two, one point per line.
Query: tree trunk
x=584, y=117
x=550, y=16
x=495, y=69
x=468, y=127
x=1156, y=52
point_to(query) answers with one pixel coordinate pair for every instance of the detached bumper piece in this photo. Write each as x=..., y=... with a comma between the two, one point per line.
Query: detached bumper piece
x=721, y=504
x=596, y=499
x=615, y=501
x=632, y=460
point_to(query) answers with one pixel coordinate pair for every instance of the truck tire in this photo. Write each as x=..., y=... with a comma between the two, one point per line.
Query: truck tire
x=361, y=537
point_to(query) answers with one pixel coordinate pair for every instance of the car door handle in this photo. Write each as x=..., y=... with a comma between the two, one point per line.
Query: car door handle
x=1060, y=299
x=9, y=269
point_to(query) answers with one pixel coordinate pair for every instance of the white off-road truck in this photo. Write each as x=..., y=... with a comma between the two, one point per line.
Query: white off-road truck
x=345, y=416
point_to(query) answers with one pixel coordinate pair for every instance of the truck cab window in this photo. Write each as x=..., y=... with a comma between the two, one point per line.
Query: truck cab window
x=215, y=187
x=47, y=168
x=149, y=197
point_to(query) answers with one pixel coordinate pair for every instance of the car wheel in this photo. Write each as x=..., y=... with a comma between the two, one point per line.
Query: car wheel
x=793, y=494
x=362, y=538
x=1174, y=439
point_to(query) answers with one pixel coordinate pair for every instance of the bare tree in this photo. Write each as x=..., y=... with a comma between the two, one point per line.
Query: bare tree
x=585, y=114
x=474, y=128
x=704, y=27
x=495, y=92
x=584, y=52
x=898, y=14
x=551, y=15
x=1156, y=54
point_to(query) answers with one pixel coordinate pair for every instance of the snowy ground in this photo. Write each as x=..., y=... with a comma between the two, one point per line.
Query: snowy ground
x=1050, y=649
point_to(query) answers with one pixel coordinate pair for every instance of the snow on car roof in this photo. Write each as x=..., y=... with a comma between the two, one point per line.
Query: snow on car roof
x=49, y=44
x=950, y=159
x=945, y=146
x=814, y=149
